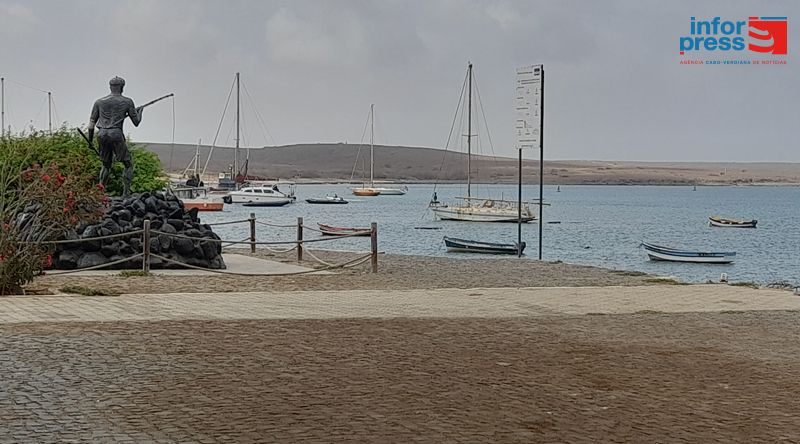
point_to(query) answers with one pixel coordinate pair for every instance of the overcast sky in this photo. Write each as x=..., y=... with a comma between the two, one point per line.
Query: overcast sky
x=614, y=87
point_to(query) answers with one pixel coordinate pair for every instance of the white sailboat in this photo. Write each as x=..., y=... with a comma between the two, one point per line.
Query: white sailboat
x=479, y=209
x=372, y=190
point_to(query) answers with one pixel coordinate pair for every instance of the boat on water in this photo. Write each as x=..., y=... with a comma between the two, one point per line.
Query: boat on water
x=197, y=197
x=660, y=253
x=716, y=221
x=327, y=200
x=470, y=246
x=478, y=209
x=259, y=196
x=364, y=191
x=343, y=231
x=372, y=190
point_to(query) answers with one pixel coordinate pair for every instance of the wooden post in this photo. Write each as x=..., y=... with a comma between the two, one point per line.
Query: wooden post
x=299, y=239
x=146, y=247
x=374, y=237
x=252, y=233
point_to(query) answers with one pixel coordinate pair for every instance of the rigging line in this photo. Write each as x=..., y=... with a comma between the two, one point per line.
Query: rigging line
x=259, y=118
x=360, y=144
x=214, y=143
x=452, y=126
x=55, y=111
x=41, y=107
x=26, y=86
x=485, y=122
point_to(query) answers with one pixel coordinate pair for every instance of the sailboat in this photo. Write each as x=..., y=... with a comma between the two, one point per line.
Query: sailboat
x=372, y=190
x=479, y=209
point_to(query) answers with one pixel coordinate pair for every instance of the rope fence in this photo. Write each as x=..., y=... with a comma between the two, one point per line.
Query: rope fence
x=297, y=244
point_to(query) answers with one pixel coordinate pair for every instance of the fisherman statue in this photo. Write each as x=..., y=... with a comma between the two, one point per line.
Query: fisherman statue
x=108, y=114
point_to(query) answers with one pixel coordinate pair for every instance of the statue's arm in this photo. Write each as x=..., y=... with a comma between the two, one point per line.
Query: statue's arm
x=135, y=114
x=93, y=121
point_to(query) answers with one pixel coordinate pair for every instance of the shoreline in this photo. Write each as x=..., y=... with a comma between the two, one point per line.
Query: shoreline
x=395, y=272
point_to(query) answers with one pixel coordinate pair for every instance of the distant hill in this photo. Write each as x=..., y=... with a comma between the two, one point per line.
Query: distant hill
x=335, y=162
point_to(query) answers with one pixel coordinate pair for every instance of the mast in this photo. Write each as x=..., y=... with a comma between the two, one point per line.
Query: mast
x=50, y=112
x=371, y=144
x=236, y=151
x=2, y=106
x=197, y=158
x=469, y=131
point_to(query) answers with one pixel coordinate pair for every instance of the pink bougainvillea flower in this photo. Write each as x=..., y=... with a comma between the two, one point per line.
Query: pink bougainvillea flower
x=101, y=187
x=45, y=178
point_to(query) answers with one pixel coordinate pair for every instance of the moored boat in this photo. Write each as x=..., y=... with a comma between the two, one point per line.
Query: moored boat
x=716, y=221
x=259, y=196
x=197, y=197
x=365, y=191
x=660, y=253
x=343, y=231
x=383, y=191
x=335, y=199
x=470, y=246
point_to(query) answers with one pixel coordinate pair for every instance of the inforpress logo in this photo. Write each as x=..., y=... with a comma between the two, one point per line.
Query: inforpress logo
x=764, y=35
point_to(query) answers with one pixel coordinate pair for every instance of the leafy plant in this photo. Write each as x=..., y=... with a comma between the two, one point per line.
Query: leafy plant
x=39, y=203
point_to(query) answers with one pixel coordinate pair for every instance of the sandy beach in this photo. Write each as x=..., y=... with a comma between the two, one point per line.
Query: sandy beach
x=396, y=272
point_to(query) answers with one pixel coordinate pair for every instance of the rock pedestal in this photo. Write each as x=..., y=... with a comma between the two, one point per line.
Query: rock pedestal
x=127, y=214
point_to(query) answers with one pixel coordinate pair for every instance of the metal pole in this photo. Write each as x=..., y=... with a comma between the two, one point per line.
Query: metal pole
x=541, y=167
x=252, y=233
x=519, y=207
x=374, y=238
x=299, y=239
x=50, y=112
x=146, y=247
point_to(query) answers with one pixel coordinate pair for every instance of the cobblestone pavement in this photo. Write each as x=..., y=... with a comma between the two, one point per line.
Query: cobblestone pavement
x=479, y=302
x=646, y=377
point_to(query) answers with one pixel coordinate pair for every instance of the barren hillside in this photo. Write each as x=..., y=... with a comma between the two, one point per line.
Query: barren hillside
x=328, y=161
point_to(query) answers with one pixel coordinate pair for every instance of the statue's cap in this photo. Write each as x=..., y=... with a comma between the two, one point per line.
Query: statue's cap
x=117, y=81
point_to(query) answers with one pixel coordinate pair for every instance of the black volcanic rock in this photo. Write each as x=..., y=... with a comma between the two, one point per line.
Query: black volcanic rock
x=124, y=215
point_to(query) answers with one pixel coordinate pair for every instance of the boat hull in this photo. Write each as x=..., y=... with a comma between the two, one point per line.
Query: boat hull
x=328, y=230
x=326, y=201
x=658, y=253
x=731, y=223
x=365, y=192
x=203, y=206
x=267, y=203
x=468, y=246
x=479, y=214
x=390, y=191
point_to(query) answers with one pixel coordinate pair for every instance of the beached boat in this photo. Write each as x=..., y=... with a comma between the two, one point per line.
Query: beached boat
x=716, y=221
x=470, y=246
x=659, y=253
x=479, y=209
x=343, y=231
x=327, y=200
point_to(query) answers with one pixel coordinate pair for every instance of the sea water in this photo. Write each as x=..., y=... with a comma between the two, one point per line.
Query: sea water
x=597, y=225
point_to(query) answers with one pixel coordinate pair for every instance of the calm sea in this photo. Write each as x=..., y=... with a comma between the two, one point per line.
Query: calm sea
x=598, y=225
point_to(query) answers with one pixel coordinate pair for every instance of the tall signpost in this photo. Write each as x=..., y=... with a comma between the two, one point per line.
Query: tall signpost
x=530, y=134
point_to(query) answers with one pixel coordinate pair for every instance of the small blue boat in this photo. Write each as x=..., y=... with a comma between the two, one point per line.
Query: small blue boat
x=659, y=253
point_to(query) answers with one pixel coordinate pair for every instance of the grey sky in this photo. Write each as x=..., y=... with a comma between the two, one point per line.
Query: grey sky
x=614, y=88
